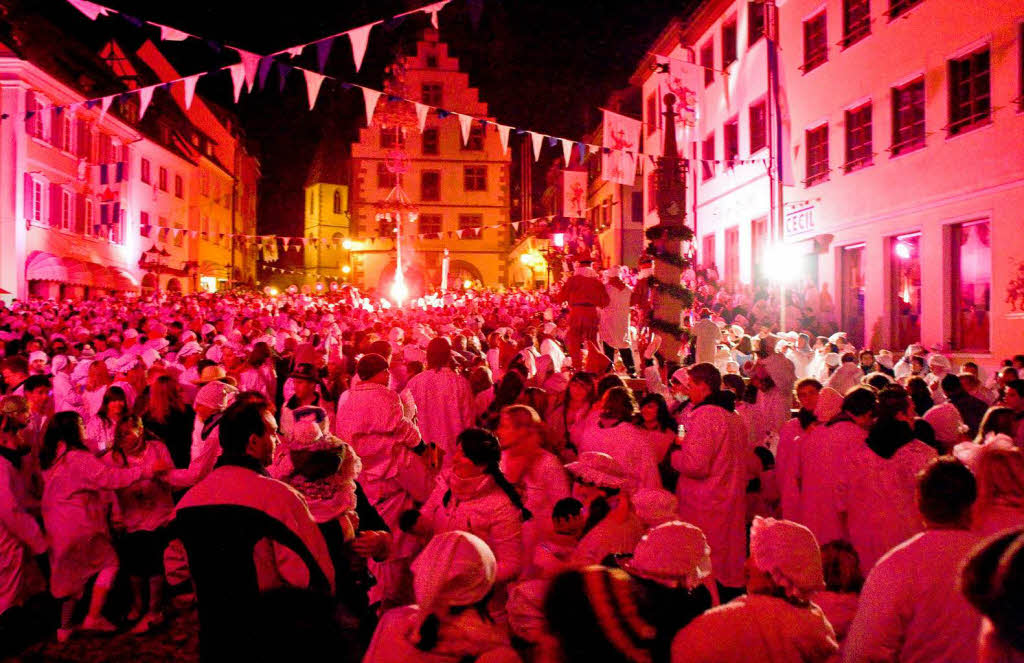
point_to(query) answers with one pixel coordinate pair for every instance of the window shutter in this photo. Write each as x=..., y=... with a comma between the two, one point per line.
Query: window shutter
x=104, y=179
x=56, y=128
x=55, y=205
x=28, y=196
x=104, y=214
x=30, y=107
x=120, y=171
x=79, y=213
x=85, y=141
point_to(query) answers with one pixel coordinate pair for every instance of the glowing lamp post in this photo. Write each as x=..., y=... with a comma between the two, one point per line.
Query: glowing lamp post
x=394, y=211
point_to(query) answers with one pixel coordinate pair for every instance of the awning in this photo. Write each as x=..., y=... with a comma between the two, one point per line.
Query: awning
x=100, y=276
x=43, y=266
x=123, y=279
x=212, y=267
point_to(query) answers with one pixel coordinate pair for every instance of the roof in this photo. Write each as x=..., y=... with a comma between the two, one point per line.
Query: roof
x=332, y=160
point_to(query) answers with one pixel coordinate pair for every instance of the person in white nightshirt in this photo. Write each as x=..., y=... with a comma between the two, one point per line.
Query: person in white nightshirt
x=991, y=582
x=711, y=460
x=613, y=432
x=911, y=609
x=875, y=481
x=259, y=374
x=786, y=454
x=444, y=401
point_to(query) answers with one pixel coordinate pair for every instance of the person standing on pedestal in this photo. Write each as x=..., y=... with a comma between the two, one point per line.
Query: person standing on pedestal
x=584, y=293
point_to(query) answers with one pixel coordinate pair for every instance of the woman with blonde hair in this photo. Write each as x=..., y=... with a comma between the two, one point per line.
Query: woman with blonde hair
x=1000, y=474
x=167, y=417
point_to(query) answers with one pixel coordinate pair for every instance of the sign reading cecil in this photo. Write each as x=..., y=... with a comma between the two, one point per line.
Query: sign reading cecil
x=799, y=221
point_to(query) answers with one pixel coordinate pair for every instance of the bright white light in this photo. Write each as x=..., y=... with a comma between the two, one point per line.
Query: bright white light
x=347, y=245
x=558, y=239
x=398, y=291
x=902, y=250
x=526, y=258
x=345, y=269
x=781, y=264
x=467, y=284
x=319, y=286
x=274, y=292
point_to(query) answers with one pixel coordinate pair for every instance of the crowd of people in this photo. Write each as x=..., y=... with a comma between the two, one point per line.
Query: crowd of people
x=503, y=476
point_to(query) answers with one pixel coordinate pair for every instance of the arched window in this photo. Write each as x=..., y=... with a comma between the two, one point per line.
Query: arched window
x=337, y=202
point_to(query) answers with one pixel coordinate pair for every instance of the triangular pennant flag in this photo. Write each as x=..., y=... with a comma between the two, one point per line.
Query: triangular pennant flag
x=515, y=226
x=593, y=148
x=566, y=150
x=131, y=19
x=459, y=233
x=90, y=9
x=503, y=131
x=313, y=83
x=359, y=37
x=237, y=78
x=145, y=96
x=465, y=123
x=323, y=51
x=370, y=98
x=431, y=10
x=265, y=66
x=190, y=89
x=294, y=51
x=171, y=34
x=581, y=152
x=421, y=114
x=282, y=75
x=251, y=64
x=105, y=105
x=537, y=139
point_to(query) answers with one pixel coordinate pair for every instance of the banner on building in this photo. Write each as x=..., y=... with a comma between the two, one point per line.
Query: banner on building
x=621, y=140
x=686, y=82
x=574, y=194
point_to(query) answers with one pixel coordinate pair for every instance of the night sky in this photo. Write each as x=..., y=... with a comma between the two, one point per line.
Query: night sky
x=545, y=65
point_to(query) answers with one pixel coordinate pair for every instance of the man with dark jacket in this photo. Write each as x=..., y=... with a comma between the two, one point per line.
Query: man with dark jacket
x=972, y=409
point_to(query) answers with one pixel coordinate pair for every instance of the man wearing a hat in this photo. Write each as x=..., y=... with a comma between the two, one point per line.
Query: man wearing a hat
x=584, y=293
x=304, y=382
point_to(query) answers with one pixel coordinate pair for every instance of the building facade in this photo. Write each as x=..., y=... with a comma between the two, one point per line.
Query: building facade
x=98, y=202
x=327, y=226
x=457, y=187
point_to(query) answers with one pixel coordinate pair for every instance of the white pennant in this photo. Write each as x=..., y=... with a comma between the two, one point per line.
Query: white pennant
x=593, y=149
x=171, y=34
x=313, y=83
x=145, y=96
x=190, y=89
x=465, y=124
x=459, y=233
x=432, y=10
x=105, y=105
x=359, y=38
x=421, y=114
x=294, y=51
x=566, y=150
x=250, y=64
x=537, y=139
x=503, y=131
x=90, y=9
x=370, y=98
x=237, y=78
x=515, y=225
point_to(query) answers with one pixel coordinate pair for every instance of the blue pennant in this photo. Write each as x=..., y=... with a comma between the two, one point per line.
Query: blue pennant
x=552, y=141
x=264, y=70
x=323, y=51
x=214, y=45
x=442, y=113
x=282, y=73
x=131, y=19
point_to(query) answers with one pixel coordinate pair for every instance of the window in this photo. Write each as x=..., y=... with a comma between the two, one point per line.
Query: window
x=385, y=178
x=474, y=178
x=707, y=154
x=732, y=256
x=470, y=225
x=731, y=136
x=83, y=143
x=106, y=149
x=856, y=21
x=759, y=241
x=707, y=60
x=430, y=185
x=899, y=7
x=431, y=61
x=905, y=288
x=758, y=126
x=475, y=139
x=391, y=137
x=817, y=155
x=637, y=207
x=1020, y=69
x=651, y=118
x=117, y=225
x=179, y=187
x=815, y=42
x=431, y=94
x=707, y=256
x=36, y=208
x=729, y=38
x=311, y=199
x=78, y=223
x=755, y=21
x=90, y=217
x=970, y=103
x=163, y=179
x=144, y=227
x=337, y=202
x=144, y=173
x=971, y=272
x=652, y=191
x=67, y=133
x=908, y=117
x=67, y=209
x=431, y=144
x=35, y=117
x=430, y=224
x=858, y=138
x=204, y=182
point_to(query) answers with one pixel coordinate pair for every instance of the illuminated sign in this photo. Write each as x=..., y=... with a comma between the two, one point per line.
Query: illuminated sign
x=799, y=221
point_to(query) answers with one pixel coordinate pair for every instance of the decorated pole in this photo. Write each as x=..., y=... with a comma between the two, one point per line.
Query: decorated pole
x=669, y=297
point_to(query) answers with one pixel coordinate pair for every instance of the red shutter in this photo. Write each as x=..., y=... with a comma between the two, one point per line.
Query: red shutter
x=54, y=205
x=28, y=196
x=85, y=141
x=56, y=128
x=79, y=213
x=30, y=105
